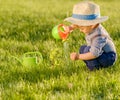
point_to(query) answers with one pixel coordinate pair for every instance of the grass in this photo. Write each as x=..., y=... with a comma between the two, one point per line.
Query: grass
x=26, y=26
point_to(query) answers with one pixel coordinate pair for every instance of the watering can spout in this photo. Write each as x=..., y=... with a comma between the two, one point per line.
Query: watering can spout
x=17, y=59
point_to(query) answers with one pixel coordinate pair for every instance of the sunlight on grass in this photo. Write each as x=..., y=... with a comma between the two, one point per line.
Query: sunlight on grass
x=25, y=27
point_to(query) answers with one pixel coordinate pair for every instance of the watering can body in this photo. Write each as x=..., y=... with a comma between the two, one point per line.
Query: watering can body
x=28, y=60
x=58, y=32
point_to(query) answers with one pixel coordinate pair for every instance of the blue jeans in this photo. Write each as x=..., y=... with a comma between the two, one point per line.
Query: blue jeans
x=104, y=60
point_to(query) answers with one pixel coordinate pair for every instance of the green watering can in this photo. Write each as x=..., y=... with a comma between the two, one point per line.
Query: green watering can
x=29, y=60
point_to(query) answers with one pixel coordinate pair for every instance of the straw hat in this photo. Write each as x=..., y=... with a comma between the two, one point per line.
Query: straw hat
x=85, y=14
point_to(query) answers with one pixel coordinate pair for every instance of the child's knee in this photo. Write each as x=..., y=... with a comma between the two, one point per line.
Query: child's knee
x=107, y=59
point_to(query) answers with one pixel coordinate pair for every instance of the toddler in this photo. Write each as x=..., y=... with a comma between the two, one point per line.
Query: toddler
x=100, y=50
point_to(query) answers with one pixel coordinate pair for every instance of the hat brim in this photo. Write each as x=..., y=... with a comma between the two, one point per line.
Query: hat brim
x=86, y=22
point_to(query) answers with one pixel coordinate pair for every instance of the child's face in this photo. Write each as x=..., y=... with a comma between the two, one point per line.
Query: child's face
x=85, y=29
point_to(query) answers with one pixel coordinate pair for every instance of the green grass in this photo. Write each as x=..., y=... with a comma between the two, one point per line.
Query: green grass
x=26, y=26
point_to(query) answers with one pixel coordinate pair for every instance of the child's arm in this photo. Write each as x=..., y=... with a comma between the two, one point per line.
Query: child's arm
x=85, y=56
x=70, y=28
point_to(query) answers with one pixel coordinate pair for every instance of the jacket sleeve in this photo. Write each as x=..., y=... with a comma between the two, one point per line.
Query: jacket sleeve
x=97, y=45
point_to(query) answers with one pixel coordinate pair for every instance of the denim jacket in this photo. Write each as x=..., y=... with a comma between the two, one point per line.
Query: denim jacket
x=100, y=41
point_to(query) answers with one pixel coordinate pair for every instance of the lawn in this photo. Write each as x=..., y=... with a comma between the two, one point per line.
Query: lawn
x=25, y=26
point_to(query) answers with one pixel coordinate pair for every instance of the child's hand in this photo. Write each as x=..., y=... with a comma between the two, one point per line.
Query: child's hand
x=66, y=29
x=69, y=29
x=74, y=56
x=73, y=26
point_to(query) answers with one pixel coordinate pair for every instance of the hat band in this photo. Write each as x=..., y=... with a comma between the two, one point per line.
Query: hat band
x=85, y=17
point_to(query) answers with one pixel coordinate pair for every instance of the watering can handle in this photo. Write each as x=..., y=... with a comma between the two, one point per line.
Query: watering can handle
x=34, y=53
x=64, y=32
